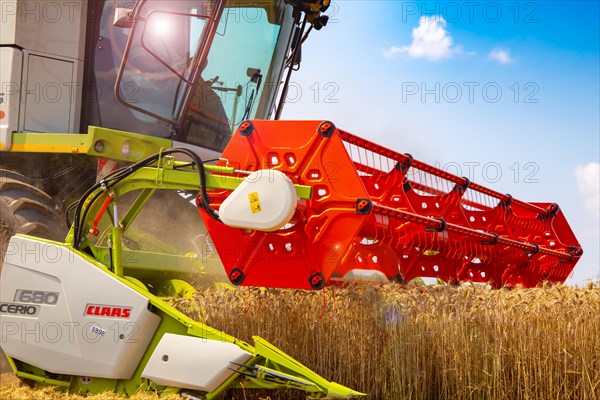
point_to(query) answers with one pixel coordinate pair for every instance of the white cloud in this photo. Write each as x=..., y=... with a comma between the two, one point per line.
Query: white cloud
x=588, y=182
x=431, y=41
x=501, y=55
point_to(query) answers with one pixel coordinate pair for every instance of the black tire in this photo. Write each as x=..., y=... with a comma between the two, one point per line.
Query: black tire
x=28, y=210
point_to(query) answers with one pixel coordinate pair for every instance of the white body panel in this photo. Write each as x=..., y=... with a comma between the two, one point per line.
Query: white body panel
x=48, y=95
x=265, y=200
x=42, y=73
x=62, y=337
x=11, y=67
x=55, y=28
x=193, y=363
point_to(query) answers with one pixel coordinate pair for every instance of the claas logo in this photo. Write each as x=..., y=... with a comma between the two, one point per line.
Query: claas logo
x=97, y=310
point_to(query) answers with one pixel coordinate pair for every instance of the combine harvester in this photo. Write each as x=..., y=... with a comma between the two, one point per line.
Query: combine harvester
x=287, y=204
x=293, y=205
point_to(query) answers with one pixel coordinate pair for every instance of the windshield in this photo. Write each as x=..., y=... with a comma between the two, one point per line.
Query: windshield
x=167, y=64
x=240, y=76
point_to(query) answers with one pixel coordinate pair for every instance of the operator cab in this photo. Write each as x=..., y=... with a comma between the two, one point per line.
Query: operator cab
x=192, y=71
x=187, y=70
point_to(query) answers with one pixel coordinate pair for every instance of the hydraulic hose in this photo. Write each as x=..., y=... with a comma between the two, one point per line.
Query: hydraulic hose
x=109, y=181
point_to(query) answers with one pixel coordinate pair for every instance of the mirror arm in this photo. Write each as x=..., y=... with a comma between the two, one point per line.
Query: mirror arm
x=296, y=46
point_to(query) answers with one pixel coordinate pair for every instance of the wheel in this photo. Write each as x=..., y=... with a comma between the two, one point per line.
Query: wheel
x=26, y=209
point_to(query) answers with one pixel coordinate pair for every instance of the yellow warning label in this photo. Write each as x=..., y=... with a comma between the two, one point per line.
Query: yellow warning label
x=254, y=203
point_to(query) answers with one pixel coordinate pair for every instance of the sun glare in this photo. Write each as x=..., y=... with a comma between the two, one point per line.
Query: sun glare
x=161, y=26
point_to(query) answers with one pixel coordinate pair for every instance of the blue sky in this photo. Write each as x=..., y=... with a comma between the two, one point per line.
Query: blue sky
x=509, y=84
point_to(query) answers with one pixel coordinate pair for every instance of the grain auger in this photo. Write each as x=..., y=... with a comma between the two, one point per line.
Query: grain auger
x=361, y=206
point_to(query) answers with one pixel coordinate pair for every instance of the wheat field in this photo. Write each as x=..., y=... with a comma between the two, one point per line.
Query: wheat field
x=396, y=342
